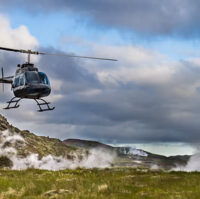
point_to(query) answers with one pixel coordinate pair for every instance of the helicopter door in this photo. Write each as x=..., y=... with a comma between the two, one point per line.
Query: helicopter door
x=21, y=80
x=16, y=82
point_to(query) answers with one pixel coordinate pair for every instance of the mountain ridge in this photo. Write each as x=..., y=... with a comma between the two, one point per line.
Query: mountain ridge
x=127, y=156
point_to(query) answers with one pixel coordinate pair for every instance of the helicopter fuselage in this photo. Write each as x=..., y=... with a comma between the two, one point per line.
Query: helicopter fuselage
x=32, y=91
x=28, y=82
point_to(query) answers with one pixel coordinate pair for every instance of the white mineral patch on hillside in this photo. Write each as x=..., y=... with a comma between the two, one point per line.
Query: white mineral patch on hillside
x=133, y=151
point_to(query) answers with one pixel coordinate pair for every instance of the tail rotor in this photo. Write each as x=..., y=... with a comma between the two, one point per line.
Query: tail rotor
x=2, y=75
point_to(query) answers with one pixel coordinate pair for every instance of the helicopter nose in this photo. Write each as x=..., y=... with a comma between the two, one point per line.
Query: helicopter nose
x=38, y=91
x=42, y=88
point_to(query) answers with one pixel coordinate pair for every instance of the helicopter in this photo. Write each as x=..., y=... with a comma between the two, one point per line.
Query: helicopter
x=30, y=83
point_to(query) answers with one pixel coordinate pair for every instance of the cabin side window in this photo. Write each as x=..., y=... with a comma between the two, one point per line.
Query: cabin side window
x=43, y=78
x=16, y=82
x=21, y=80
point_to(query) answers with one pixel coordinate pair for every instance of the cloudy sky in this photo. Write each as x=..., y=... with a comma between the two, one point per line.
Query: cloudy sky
x=149, y=98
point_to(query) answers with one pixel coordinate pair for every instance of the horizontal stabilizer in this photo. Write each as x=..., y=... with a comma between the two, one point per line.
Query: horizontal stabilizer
x=6, y=80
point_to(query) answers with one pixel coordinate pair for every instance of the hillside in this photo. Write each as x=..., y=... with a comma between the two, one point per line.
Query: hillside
x=34, y=144
x=86, y=144
x=22, y=149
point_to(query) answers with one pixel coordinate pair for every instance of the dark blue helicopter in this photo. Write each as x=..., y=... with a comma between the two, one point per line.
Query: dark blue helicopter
x=28, y=82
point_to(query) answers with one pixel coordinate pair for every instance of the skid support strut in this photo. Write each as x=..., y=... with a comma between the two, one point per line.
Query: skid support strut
x=42, y=102
x=13, y=103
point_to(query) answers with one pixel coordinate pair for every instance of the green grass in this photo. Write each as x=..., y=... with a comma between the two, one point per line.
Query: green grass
x=109, y=183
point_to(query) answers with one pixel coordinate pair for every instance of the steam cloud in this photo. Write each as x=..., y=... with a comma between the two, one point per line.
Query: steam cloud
x=97, y=158
x=192, y=165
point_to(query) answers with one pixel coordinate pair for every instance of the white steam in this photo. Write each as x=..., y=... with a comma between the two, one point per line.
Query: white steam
x=192, y=165
x=96, y=158
x=8, y=142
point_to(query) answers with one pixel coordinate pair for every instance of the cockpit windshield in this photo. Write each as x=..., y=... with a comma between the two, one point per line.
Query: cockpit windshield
x=43, y=78
x=32, y=77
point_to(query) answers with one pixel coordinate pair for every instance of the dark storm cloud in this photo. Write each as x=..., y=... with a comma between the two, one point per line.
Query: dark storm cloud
x=128, y=112
x=123, y=113
x=69, y=71
x=157, y=17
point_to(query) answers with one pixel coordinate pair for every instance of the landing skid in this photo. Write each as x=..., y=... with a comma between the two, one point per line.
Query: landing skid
x=41, y=103
x=14, y=103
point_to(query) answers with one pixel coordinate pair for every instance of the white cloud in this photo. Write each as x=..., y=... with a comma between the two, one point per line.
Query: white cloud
x=91, y=92
x=135, y=64
x=57, y=84
x=19, y=37
x=144, y=66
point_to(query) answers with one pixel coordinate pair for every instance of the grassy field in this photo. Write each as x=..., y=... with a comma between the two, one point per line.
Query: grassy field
x=108, y=183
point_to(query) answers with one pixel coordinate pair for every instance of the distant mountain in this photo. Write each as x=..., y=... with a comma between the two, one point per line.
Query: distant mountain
x=86, y=144
x=127, y=156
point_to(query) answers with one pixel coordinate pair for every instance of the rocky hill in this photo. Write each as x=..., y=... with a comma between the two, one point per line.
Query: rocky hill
x=22, y=149
x=40, y=145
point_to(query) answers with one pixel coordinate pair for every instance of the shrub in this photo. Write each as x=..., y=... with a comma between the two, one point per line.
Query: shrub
x=5, y=162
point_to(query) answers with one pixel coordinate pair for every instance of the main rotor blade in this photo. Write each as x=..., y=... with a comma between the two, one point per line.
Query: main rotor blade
x=2, y=73
x=9, y=49
x=43, y=53
x=77, y=56
x=20, y=50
